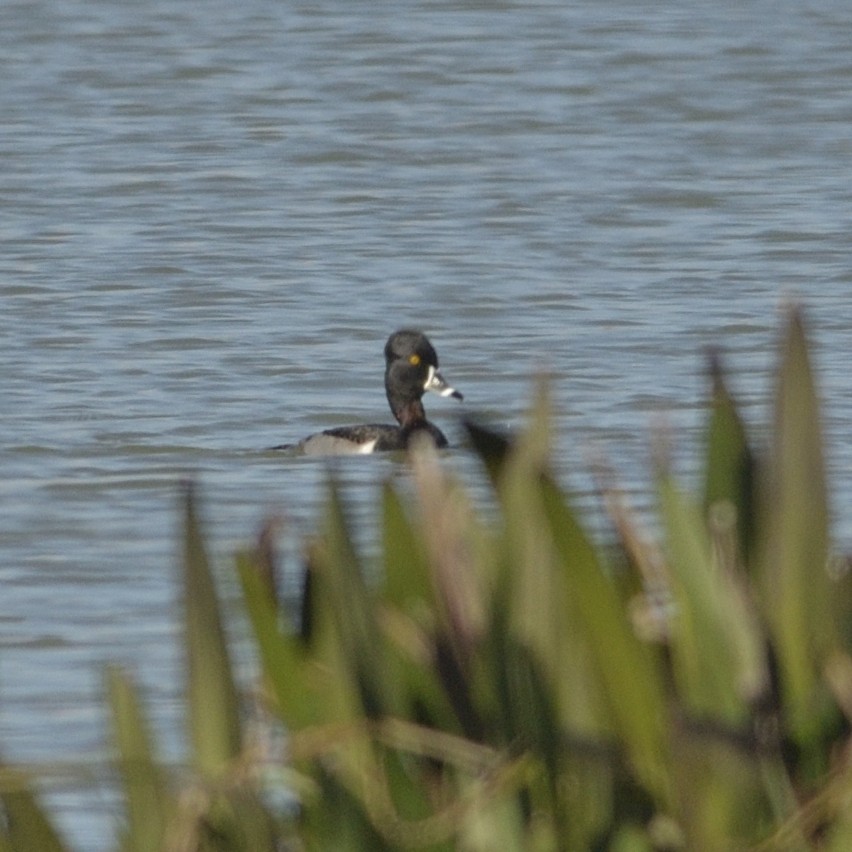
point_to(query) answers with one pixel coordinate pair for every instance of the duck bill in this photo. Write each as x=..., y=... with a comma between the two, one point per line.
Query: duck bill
x=435, y=383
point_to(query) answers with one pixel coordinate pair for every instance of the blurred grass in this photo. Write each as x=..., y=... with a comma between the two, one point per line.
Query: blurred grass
x=511, y=684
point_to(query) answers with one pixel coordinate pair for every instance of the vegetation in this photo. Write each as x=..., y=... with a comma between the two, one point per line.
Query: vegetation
x=512, y=685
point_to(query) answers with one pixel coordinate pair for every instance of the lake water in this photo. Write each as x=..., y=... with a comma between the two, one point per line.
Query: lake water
x=213, y=214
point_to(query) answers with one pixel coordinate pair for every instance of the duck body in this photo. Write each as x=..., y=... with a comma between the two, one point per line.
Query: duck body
x=411, y=369
x=366, y=438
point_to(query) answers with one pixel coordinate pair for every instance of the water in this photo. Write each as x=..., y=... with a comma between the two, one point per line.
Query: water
x=213, y=215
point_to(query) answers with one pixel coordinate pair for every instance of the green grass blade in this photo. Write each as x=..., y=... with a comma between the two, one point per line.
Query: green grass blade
x=409, y=618
x=24, y=826
x=342, y=589
x=720, y=792
x=796, y=588
x=730, y=463
x=147, y=801
x=290, y=671
x=539, y=608
x=407, y=583
x=534, y=590
x=213, y=703
x=339, y=821
x=308, y=672
x=625, y=668
x=460, y=577
x=716, y=643
x=234, y=820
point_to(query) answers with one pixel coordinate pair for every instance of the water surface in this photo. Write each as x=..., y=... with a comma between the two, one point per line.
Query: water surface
x=213, y=216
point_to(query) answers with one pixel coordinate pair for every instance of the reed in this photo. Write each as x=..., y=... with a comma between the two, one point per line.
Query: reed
x=511, y=684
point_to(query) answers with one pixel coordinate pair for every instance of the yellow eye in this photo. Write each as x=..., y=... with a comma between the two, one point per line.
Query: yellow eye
x=414, y=360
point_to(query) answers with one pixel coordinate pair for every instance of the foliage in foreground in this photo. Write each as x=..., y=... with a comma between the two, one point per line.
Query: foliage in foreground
x=511, y=685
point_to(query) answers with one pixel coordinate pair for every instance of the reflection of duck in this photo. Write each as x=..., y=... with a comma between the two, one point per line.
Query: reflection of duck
x=411, y=369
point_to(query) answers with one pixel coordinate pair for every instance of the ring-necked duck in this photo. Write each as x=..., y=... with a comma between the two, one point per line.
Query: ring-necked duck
x=411, y=369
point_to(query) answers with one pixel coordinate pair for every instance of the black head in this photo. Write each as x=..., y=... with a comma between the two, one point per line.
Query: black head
x=411, y=368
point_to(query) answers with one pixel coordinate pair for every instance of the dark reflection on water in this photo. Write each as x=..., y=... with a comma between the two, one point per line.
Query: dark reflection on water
x=213, y=215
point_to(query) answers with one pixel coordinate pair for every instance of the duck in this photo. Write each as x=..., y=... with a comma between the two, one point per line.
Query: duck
x=411, y=369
